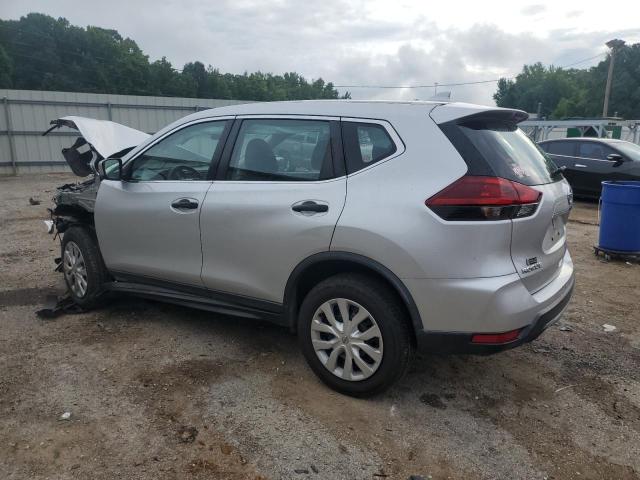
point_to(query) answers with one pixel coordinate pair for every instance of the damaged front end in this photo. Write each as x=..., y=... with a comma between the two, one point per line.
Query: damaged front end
x=74, y=203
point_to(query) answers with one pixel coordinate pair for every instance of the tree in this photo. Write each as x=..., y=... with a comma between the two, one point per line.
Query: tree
x=575, y=92
x=40, y=52
x=6, y=69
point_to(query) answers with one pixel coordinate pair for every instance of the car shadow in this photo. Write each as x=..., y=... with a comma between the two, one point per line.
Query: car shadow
x=435, y=380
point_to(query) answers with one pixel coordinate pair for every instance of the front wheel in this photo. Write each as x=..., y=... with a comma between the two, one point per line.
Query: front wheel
x=82, y=266
x=354, y=335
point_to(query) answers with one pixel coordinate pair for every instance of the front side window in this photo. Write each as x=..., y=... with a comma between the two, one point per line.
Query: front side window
x=594, y=150
x=281, y=150
x=365, y=144
x=184, y=155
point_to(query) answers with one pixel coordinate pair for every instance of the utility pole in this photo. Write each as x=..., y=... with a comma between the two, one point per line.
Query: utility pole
x=613, y=45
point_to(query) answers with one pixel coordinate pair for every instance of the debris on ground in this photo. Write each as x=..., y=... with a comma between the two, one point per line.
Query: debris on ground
x=302, y=470
x=187, y=434
x=65, y=416
x=56, y=306
x=609, y=328
x=565, y=328
x=34, y=201
x=564, y=388
x=432, y=400
x=226, y=448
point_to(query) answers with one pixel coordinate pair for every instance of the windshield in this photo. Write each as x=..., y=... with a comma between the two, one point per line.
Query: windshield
x=629, y=149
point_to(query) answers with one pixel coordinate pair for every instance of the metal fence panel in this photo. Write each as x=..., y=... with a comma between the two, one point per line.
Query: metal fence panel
x=25, y=114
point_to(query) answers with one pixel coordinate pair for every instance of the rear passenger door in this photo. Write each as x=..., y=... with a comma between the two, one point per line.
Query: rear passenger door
x=276, y=199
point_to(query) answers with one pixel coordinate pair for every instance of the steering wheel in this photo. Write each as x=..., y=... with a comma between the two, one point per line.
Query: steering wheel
x=183, y=172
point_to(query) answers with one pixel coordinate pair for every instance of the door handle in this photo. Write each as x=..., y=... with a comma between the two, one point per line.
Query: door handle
x=579, y=165
x=310, y=206
x=184, y=204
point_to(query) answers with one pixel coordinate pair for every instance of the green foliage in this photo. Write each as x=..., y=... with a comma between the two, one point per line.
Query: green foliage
x=576, y=92
x=6, y=69
x=39, y=52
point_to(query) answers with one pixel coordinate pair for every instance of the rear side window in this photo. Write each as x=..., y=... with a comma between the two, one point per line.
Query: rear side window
x=566, y=149
x=499, y=148
x=365, y=144
x=282, y=150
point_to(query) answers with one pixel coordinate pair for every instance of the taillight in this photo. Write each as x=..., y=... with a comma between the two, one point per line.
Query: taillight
x=484, y=198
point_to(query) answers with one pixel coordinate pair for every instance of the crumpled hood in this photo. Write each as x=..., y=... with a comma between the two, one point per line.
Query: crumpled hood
x=106, y=137
x=99, y=139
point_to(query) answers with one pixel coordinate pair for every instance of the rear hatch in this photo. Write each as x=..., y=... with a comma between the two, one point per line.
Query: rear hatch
x=492, y=146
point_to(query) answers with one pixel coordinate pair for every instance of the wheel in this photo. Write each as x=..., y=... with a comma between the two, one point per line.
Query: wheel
x=82, y=266
x=354, y=335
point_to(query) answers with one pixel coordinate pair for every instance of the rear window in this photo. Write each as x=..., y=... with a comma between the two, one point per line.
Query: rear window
x=500, y=149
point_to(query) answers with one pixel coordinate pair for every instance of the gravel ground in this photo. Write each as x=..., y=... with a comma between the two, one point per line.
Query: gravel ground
x=158, y=391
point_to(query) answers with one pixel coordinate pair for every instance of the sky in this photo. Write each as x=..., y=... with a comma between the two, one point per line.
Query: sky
x=358, y=42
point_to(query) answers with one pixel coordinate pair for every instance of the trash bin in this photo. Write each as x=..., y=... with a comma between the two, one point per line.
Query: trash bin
x=620, y=217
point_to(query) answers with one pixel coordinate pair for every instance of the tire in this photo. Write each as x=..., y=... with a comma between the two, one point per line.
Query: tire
x=365, y=297
x=80, y=240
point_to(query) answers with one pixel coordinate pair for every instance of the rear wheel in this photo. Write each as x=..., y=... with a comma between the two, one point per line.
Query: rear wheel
x=82, y=266
x=354, y=335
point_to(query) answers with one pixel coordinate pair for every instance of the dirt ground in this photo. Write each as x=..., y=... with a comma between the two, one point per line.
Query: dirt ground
x=157, y=391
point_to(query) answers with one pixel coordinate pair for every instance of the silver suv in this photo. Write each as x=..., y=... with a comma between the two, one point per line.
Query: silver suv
x=369, y=228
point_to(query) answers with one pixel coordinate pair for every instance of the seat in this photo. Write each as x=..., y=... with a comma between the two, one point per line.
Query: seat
x=259, y=157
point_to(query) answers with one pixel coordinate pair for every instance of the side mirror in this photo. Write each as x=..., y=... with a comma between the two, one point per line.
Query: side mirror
x=617, y=158
x=110, y=169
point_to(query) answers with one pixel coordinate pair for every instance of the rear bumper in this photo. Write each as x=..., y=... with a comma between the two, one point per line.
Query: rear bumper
x=444, y=342
x=492, y=305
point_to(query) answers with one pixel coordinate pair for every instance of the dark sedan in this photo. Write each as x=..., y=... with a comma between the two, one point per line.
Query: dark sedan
x=589, y=161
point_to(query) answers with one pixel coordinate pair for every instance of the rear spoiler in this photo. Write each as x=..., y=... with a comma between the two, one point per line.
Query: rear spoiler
x=463, y=112
x=507, y=116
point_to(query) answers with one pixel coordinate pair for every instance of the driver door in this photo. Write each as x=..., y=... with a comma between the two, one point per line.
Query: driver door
x=592, y=166
x=148, y=224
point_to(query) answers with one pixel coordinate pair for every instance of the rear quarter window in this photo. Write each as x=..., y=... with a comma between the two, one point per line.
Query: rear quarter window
x=365, y=144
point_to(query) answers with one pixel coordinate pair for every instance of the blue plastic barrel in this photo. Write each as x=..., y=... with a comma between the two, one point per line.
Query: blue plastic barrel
x=620, y=216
